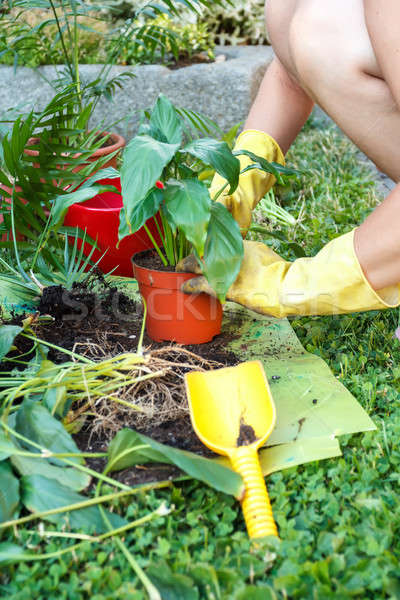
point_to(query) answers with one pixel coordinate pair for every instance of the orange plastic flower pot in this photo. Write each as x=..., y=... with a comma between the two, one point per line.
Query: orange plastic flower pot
x=100, y=218
x=173, y=315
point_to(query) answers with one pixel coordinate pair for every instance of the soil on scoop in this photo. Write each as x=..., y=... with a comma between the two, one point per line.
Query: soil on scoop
x=246, y=435
x=104, y=323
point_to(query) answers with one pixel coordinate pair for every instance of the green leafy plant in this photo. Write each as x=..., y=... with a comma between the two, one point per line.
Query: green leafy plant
x=159, y=175
x=29, y=181
x=165, y=40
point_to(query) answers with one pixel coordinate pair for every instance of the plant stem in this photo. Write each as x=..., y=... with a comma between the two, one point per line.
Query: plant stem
x=217, y=195
x=85, y=504
x=47, y=453
x=153, y=241
x=60, y=33
x=60, y=349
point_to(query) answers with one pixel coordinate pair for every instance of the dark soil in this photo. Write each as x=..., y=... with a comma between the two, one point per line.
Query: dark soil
x=107, y=142
x=187, y=61
x=107, y=322
x=246, y=435
x=149, y=259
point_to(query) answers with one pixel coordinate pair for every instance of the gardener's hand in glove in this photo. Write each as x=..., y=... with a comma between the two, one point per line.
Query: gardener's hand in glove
x=254, y=184
x=332, y=282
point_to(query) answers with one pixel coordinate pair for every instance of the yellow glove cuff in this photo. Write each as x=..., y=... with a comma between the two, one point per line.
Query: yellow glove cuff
x=260, y=143
x=254, y=184
x=332, y=282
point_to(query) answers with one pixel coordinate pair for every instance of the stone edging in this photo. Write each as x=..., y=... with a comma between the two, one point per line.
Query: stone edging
x=223, y=91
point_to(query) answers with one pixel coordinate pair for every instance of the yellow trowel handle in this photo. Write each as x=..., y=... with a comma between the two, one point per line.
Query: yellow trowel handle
x=255, y=504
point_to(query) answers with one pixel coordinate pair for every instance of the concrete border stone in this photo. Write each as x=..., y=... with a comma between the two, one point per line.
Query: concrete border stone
x=223, y=91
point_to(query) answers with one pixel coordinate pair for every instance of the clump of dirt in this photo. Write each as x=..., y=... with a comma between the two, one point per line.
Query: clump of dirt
x=93, y=296
x=246, y=435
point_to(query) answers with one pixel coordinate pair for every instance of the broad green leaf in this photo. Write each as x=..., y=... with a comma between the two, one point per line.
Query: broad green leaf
x=35, y=422
x=39, y=494
x=141, y=212
x=9, y=492
x=63, y=201
x=12, y=553
x=123, y=228
x=264, y=165
x=164, y=118
x=171, y=585
x=70, y=477
x=7, y=447
x=218, y=155
x=187, y=204
x=144, y=160
x=8, y=333
x=126, y=450
x=223, y=253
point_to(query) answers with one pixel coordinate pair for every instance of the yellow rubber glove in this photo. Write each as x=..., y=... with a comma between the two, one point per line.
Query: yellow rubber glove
x=254, y=184
x=332, y=282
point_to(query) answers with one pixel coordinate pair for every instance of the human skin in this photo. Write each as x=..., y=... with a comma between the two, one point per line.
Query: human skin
x=343, y=55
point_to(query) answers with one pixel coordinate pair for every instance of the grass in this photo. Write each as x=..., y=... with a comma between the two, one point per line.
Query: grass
x=339, y=519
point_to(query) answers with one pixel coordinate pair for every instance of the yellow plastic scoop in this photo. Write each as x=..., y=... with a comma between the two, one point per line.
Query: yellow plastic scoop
x=233, y=414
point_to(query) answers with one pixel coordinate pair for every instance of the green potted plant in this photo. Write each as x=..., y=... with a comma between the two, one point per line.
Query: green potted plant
x=160, y=176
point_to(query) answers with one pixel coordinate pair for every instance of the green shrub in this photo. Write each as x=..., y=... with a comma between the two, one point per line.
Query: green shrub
x=242, y=23
x=161, y=40
x=36, y=47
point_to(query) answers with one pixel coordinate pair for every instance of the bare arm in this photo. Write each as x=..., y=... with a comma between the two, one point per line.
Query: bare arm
x=281, y=107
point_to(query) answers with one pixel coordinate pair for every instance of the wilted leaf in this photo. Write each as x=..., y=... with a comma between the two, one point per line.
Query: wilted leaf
x=39, y=494
x=9, y=492
x=12, y=553
x=34, y=422
x=8, y=333
x=171, y=585
x=122, y=453
x=68, y=476
x=7, y=448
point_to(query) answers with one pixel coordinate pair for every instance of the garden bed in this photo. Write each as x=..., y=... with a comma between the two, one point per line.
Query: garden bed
x=100, y=326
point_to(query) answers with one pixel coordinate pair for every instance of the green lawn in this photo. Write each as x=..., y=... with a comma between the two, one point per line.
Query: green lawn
x=338, y=519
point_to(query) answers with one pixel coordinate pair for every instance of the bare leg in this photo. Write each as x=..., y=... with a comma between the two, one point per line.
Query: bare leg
x=326, y=48
x=281, y=107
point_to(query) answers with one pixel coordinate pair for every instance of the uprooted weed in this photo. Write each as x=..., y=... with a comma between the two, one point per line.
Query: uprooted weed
x=154, y=395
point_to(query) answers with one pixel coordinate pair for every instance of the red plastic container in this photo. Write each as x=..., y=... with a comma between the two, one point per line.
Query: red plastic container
x=100, y=217
x=173, y=315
